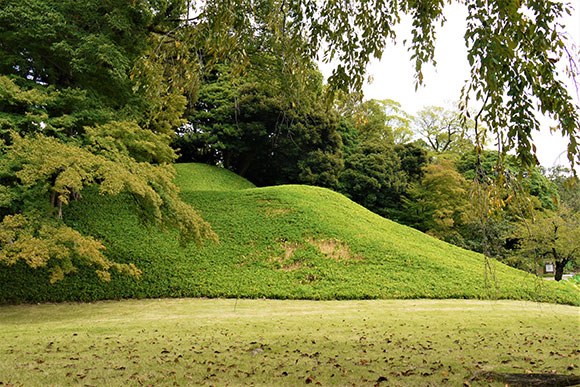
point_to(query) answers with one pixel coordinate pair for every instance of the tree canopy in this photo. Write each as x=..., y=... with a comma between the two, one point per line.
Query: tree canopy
x=253, y=125
x=513, y=47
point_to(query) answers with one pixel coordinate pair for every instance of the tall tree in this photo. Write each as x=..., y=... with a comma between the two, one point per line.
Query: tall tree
x=255, y=124
x=90, y=96
x=444, y=131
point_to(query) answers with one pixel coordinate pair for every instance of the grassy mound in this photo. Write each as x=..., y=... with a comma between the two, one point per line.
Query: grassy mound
x=276, y=242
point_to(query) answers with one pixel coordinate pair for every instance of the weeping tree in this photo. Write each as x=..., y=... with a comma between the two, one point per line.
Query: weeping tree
x=512, y=55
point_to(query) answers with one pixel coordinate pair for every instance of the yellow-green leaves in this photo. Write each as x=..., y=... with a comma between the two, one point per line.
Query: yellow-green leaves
x=39, y=244
x=44, y=173
x=440, y=202
x=130, y=139
x=90, y=95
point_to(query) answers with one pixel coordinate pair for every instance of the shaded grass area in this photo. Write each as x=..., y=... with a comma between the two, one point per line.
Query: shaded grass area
x=284, y=242
x=187, y=341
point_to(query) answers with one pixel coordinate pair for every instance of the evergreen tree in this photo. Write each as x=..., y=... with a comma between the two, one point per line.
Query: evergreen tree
x=88, y=97
x=264, y=126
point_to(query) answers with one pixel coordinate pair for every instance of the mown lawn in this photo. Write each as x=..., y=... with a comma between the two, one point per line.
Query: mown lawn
x=283, y=342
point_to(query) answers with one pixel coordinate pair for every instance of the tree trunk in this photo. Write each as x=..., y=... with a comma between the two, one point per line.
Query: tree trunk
x=56, y=204
x=59, y=208
x=560, y=264
x=245, y=164
x=560, y=269
x=53, y=199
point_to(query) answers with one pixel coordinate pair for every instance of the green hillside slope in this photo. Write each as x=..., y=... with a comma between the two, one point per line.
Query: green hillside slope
x=275, y=242
x=202, y=177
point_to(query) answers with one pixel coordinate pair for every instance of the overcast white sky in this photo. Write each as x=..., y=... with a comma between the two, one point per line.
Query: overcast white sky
x=393, y=76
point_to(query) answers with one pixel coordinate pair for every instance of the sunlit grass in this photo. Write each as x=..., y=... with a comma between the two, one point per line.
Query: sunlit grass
x=201, y=177
x=186, y=341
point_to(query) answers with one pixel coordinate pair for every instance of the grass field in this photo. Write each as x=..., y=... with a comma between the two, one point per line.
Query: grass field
x=283, y=242
x=283, y=342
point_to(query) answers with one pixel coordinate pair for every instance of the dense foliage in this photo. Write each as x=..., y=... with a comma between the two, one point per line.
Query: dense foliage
x=85, y=100
x=255, y=125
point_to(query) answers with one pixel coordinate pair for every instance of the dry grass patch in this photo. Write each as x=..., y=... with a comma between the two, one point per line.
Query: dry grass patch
x=335, y=249
x=293, y=266
x=330, y=248
x=286, y=258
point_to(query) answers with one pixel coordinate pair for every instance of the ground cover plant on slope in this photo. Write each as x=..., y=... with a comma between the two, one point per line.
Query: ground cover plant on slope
x=274, y=342
x=281, y=242
x=202, y=177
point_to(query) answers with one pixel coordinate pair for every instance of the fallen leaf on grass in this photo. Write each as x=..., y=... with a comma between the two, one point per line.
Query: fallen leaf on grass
x=257, y=351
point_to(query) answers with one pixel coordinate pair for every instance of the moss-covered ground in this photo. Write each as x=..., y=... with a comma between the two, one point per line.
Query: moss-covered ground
x=284, y=242
x=284, y=342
